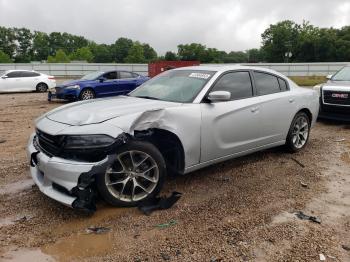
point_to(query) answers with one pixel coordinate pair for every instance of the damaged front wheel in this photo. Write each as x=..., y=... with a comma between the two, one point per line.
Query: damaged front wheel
x=136, y=174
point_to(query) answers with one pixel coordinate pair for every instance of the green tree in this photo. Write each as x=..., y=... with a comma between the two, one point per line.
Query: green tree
x=136, y=54
x=82, y=54
x=171, y=56
x=24, y=51
x=101, y=53
x=41, y=46
x=149, y=53
x=255, y=55
x=279, y=39
x=192, y=51
x=4, y=58
x=236, y=57
x=7, y=41
x=60, y=57
x=121, y=49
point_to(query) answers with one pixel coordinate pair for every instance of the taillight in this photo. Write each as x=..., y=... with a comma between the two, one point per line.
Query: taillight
x=51, y=77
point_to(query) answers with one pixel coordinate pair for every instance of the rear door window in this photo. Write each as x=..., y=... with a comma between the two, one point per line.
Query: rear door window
x=237, y=83
x=125, y=75
x=29, y=74
x=266, y=83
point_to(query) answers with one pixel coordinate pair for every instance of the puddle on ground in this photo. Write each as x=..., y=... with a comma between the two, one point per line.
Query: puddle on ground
x=25, y=255
x=104, y=212
x=80, y=246
x=16, y=187
x=77, y=245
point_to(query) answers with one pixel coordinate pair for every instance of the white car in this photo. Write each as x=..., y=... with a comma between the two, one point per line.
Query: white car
x=179, y=121
x=24, y=81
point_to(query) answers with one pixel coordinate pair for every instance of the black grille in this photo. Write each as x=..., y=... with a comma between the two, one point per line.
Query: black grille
x=336, y=97
x=51, y=145
x=54, y=146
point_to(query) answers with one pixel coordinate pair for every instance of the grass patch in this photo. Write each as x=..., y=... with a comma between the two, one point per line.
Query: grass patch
x=308, y=80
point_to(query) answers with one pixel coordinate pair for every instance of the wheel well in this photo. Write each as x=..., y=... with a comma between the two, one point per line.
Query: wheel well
x=307, y=112
x=169, y=145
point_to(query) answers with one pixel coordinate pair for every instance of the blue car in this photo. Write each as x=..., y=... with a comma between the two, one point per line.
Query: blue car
x=98, y=84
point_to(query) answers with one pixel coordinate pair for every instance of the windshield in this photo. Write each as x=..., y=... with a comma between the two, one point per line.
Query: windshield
x=92, y=76
x=180, y=86
x=342, y=75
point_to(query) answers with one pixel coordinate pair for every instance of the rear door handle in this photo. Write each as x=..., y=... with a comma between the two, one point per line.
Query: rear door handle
x=291, y=100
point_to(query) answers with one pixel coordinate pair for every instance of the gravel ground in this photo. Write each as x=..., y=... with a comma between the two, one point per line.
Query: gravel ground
x=239, y=210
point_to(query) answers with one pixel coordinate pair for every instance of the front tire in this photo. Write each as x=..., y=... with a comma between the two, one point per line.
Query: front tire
x=137, y=174
x=87, y=94
x=299, y=132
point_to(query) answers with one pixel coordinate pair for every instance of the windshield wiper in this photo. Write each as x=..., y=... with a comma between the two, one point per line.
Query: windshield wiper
x=148, y=97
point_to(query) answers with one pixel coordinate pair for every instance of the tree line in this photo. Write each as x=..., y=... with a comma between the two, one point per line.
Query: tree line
x=285, y=41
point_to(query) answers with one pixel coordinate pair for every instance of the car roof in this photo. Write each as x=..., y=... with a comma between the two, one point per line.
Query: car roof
x=223, y=68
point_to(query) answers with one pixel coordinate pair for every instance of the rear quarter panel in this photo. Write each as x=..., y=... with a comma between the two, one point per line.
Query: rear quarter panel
x=307, y=98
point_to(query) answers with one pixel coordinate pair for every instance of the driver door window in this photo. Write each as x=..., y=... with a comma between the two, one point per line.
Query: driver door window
x=238, y=84
x=110, y=76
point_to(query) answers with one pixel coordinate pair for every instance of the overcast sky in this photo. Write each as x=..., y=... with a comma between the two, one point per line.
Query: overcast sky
x=224, y=24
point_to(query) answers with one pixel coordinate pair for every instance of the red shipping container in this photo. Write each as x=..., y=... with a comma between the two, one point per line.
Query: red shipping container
x=161, y=66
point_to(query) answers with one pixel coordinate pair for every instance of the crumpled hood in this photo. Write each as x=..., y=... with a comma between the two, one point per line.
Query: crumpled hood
x=337, y=86
x=100, y=110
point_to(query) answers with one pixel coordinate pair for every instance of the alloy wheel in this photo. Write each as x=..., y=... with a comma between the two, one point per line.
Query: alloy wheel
x=87, y=94
x=300, y=132
x=133, y=176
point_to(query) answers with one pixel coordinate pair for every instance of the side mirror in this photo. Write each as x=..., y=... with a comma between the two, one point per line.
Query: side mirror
x=101, y=79
x=4, y=77
x=219, y=96
x=329, y=77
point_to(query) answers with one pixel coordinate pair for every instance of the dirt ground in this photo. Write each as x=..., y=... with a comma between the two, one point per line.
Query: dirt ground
x=239, y=210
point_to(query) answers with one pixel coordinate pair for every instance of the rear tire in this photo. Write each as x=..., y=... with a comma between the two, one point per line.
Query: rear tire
x=41, y=87
x=299, y=132
x=136, y=175
x=87, y=94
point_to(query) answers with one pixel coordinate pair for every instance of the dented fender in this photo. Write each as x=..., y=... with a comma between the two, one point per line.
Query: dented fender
x=186, y=127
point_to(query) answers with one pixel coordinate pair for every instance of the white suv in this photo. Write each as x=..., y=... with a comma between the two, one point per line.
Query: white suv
x=23, y=80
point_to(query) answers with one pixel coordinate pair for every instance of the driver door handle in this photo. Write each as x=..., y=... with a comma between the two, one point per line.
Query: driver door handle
x=291, y=100
x=254, y=109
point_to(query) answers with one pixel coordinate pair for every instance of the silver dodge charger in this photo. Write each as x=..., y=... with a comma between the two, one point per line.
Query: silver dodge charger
x=123, y=148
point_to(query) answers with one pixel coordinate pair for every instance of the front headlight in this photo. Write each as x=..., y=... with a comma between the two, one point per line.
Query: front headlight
x=87, y=141
x=317, y=88
x=73, y=87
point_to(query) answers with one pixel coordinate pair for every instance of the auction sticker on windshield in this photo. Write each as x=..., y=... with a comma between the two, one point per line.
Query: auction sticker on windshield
x=199, y=75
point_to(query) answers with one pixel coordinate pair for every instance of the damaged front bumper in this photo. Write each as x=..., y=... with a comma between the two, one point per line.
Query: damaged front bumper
x=66, y=181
